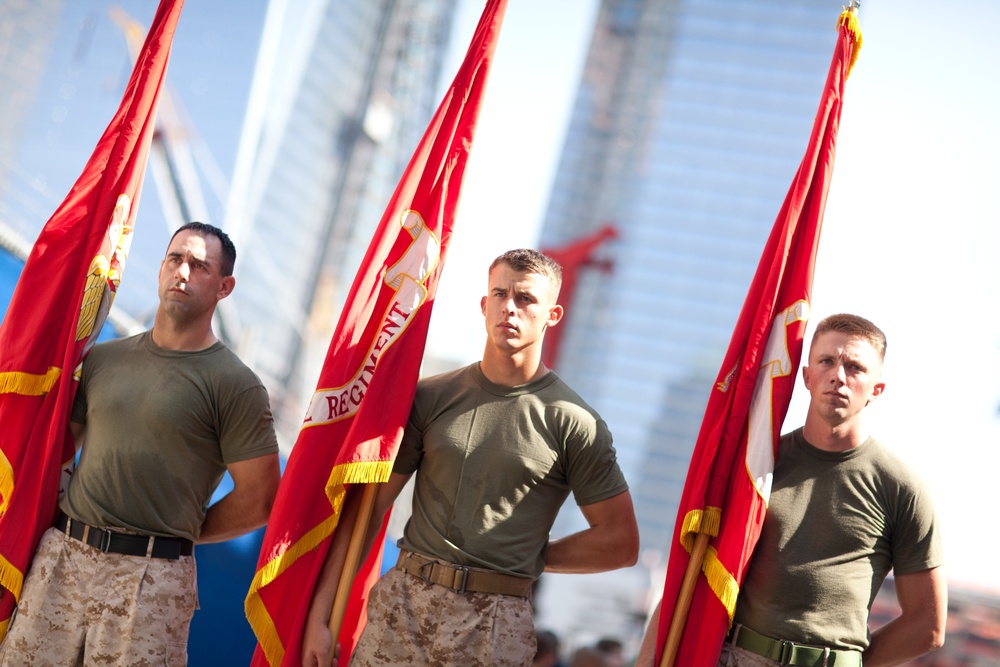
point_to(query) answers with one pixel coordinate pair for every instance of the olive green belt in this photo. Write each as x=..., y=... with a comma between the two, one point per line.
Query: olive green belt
x=790, y=653
x=460, y=578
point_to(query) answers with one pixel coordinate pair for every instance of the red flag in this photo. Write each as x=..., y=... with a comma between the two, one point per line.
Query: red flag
x=728, y=481
x=355, y=419
x=58, y=308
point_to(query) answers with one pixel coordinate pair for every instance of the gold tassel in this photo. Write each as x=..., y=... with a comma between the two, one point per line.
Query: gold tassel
x=707, y=520
x=850, y=19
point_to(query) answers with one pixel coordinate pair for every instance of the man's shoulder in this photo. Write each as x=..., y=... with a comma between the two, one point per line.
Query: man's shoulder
x=116, y=346
x=889, y=464
x=446, y=379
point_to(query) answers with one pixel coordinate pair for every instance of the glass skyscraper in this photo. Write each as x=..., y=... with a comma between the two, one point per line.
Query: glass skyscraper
x=688, y=126
x=343, y=91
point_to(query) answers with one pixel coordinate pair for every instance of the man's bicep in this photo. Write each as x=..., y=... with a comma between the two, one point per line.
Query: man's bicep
x=924, y=593
x=261, y=472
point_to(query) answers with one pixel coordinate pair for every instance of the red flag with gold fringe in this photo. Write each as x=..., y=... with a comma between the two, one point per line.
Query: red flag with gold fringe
x=58, y=308
x=728, y=483
x=356, y=417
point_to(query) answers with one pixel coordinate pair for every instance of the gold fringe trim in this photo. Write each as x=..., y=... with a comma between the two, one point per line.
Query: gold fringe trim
x=11, y=578
x=722, y=583
x=849, y=18
x=362, y=472
x=706, y=520
x=28, y=384
x=6, y=482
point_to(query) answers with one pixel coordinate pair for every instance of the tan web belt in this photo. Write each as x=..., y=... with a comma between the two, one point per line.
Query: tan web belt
x=789, y=653
x=460, y=578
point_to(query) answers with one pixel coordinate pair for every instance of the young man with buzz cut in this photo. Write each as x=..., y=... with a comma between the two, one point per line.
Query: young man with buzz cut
x=843, y=512
x=497, y=447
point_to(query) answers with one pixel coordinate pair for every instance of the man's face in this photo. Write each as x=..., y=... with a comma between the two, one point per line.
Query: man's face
x=518, y=307
x=190, y=282
x=843, y=376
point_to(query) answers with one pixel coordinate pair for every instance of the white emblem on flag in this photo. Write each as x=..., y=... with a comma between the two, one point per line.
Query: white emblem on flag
x=407, y=277
x=777, y=362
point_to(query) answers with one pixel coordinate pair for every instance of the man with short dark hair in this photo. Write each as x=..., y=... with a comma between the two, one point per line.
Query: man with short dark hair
x=497, y=447
x=842, y=513
x=161, y=417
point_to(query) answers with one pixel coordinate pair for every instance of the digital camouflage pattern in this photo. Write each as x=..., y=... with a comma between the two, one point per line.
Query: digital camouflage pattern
x=83, y=607
x=734, y=656
x=411, y=622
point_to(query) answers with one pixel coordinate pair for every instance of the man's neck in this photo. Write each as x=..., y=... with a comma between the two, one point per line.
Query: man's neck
x=182, y=339
x=511, y=370
x=834, y=438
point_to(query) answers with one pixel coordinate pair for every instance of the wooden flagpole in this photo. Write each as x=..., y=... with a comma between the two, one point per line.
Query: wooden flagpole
x=679, y=617
x=351, y=563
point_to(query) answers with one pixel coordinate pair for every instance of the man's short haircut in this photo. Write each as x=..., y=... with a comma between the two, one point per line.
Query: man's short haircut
x=532, y=261
x=853, y=325
x=228, y=249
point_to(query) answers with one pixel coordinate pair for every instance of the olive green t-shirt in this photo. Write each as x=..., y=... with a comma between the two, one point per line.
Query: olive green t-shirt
x=161, y=427
x=836, y=523
x=494, y=465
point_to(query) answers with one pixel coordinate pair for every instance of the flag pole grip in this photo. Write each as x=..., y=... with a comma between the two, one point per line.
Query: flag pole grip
x=352, y=562
x=679, y=617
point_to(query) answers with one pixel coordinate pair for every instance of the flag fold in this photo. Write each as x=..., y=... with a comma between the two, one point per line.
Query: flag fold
x=59, y=305
x=355, y=419
x=729, y=478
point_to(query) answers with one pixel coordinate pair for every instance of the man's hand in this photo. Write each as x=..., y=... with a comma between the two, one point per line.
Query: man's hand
x=316, y=644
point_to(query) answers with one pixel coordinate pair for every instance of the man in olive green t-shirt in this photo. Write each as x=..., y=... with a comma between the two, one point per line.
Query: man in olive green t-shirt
x=843, y=511
x=497, y=447
x=160, y=417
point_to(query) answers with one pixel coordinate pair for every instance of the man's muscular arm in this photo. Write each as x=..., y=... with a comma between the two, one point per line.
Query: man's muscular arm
x=611, y=541
x=248, y=505
x=920, y=627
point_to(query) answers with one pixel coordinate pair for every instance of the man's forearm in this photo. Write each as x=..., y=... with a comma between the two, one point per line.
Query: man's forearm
x=611, y=541
x=234, y=515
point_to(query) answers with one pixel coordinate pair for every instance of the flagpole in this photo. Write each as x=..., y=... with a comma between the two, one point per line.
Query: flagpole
x=351, y=562
x=679, y=617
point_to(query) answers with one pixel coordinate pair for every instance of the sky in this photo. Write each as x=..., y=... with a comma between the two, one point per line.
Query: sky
x=910, y=238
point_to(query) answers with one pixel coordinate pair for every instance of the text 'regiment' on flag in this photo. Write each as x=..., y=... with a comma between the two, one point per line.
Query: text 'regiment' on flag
x=355, y=420
x=729, y=478
x=58, y=308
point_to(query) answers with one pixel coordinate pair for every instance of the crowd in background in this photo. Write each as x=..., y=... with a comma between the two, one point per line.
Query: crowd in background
x=606, y=652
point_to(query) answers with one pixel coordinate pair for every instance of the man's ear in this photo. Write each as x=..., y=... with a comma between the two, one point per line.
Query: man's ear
x=226, y=287
x=556, y=313
x=876, y=391
x=482, y=305
x=805, y=376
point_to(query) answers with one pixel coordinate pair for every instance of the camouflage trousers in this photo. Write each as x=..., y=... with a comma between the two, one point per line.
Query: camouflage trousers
x=734, y=656
x=411, y=622
x=79, y=606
